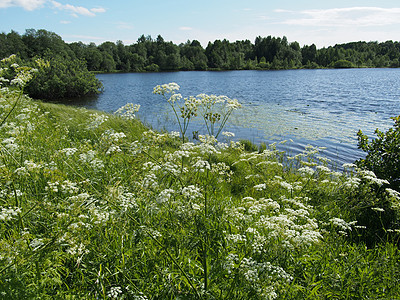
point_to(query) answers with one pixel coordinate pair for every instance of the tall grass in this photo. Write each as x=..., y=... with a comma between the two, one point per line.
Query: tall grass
x=96, y=206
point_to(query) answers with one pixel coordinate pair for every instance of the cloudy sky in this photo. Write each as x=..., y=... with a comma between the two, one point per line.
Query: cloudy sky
x=324, y=23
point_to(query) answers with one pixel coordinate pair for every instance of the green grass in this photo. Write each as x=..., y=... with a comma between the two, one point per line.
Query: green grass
x=94, y=206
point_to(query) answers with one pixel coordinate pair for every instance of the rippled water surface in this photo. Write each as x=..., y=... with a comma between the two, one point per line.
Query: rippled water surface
x=318, y=107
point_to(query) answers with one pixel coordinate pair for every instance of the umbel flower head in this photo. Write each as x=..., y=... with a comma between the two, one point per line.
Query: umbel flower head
x=168, y=88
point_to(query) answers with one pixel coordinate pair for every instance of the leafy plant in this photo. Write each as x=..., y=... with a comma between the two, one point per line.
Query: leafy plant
x=60, y=78
x=383, y=154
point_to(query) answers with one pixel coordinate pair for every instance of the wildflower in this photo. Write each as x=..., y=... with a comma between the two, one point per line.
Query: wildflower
x=113, y=149
x=286, y=185
x=165, y=195
x=236, y=238
x=68, y=151
x=192, y=192
x=7, y=214
x=378, y=181
x=230, y=262
x=174, y=98
x=150, y=181
x=128, y=111
x=174, y=134
x=342, y=224
x=31, y=166
x=196, y=206
x=89, y=158
x=366, y=173
x=260, y=187
x=96, y=121
x=22, y=171
x=114, y=136
x=9, y=59
x=228, y=134
x=233, y=104
x=169, y=88
x=352, y=182
x=324, y=169
x=393, y=193
x=75, y=249
x=348, y=166
x=201, y=166
x=377, y=209
x=10, y=144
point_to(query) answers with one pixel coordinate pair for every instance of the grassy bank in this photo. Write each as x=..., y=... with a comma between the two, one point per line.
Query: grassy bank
x=96, y=206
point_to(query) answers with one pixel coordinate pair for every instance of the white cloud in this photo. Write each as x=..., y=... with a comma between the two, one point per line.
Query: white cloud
x=98, y=10
x=25, y=4
x=124, y=25
x=340, y=17
x=77, y=10
x=185, y=28
x=35, y=4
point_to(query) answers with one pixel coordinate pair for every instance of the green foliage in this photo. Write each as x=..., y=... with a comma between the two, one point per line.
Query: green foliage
x=96, y=206
x=342, y=63
x=60, y=78
x=378, y=206
x=154, y=55
x=383, y=154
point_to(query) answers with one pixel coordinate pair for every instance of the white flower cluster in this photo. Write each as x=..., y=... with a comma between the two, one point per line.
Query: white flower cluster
x=22, y=74
x=371, y=177
x=201, y=165
x=165, y=195
x=90, y=158
x=114, y=292
x=128, y=111
x=76, y=249
x=96, y=120
x=341, y=224
x=352, y=182
x=10, y=144
x=125, y=199
x=254, y=272
x=393, y=193
x=68, y=151
x=66, y=187
x=7, y=214
x=192, y=192
x=169, y=88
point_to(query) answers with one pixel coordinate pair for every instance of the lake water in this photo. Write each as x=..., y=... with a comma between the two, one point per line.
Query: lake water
x=317, y=107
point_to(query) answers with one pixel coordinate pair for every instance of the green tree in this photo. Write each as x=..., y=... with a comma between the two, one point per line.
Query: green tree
x=193, y=56
x=309, y=54
x=40, y=42
x=63, y=78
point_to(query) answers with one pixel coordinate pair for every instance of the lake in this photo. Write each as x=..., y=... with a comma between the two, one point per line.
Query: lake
x=317, y=107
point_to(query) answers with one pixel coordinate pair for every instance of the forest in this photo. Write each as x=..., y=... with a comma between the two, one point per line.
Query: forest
x=154, y=55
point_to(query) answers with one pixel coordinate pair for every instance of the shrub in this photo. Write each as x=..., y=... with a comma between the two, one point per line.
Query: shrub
x=342, y=64
x=383, y=154
x=63, y=78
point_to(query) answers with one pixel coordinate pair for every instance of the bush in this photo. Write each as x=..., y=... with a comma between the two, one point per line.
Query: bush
x=378, y=206
x=342, y=64
x=383, y=154
x=63, y=78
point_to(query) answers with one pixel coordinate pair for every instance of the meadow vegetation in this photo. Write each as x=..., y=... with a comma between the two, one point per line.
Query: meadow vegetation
x=98, y=206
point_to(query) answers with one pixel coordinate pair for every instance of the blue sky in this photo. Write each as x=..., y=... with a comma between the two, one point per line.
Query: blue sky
x=324, y=23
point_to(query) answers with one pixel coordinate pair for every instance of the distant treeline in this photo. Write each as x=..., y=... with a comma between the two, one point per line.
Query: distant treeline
x=153, y=55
